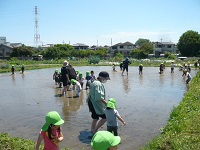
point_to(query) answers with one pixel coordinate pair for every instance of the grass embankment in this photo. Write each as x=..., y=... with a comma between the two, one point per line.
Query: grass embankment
x=182, y=131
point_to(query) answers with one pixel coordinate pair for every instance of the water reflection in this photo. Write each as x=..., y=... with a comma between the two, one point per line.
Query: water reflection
x=125, y=81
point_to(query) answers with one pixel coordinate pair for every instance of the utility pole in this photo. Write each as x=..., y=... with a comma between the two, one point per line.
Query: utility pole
x=36, y=35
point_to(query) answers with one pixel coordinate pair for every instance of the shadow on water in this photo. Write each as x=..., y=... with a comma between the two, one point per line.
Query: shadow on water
x=144, y=101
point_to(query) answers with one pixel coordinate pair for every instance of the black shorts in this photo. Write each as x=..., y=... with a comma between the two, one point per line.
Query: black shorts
x=94, y=115
x=64, y=82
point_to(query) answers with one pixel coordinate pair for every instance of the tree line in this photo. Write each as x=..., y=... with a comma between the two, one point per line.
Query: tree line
x=188, y=45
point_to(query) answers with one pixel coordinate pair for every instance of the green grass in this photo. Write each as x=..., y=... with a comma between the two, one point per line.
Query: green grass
x=182, y=131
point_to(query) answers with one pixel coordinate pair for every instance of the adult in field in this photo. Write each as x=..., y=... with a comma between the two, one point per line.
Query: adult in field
x=126, y=62
x=64, y=77
x=97, y=101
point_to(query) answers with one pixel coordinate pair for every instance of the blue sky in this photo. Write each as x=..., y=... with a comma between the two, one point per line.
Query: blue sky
x=93, y=22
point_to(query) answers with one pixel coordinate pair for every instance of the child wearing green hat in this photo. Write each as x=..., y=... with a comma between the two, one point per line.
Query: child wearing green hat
x=104, y=140
x=111, y=115
x=51, y=132
x=78, y=86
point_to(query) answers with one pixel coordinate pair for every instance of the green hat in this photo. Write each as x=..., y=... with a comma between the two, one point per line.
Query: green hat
x=102, y=140
x=110, y=105
x=52, y=117
x=73, y=81
x=77, y=71
x=56, y=70
x=113, y=101
x=87, y=73
x=80, y=75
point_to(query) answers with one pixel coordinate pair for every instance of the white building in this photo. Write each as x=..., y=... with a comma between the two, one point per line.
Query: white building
x=162, y=47
x=124, y=48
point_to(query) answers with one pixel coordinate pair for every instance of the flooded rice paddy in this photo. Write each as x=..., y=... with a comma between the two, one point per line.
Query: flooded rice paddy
x=144, y=101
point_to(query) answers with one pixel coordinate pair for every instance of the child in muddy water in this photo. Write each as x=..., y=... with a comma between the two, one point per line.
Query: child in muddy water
x=51, y=132
x=112, y=115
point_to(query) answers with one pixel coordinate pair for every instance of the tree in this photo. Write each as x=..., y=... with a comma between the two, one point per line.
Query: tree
x=139, y=54
x=189, y=44
x=141, y=41
x=22, y=51
x=147, y=47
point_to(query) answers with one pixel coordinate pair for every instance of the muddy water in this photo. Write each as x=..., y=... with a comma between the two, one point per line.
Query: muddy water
x=144, y=101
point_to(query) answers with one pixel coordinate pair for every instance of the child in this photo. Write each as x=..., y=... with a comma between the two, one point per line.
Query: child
x=112, y=115
x=172, y=67
x=81, y=79
x=22, y=68
x=140, y=68
x=189, y=77
x=51, y=132
x=88, y=80
x=104, y=140
x=56, y=76
x=13, y=70
x=93, y=76
x=78, y=87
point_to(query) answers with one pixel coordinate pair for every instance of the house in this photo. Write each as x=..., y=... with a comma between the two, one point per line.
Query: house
x=80, y=46
x=5, y=50
x=6, y=47
x=162, y=47
x=124, y=48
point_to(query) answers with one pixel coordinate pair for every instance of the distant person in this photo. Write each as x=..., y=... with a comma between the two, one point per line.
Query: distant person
x=88, y=79
x=64, y=77
x=126, y=62
x=184, y=72
x=161, y=68
x=113, y=67
x=112, y=115
x=121, y=66
x=56, y=76
x=93, y=76
x=22, y=68
x=104, y=140
x=188, y=76
x=172, y=67
x=97, y=101
x=71, y=74
x=81, y=79
x=12, y=70
x=140, y=68
x=77, y=86
x=51, y=132
x=189, y=67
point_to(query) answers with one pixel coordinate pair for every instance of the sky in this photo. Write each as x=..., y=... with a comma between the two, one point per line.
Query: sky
x=97, y=22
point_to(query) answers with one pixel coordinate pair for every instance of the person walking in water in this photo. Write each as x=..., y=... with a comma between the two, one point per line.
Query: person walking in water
x=188, y=76
x=22, y=68
x=97, y=101
x=126, y=62
x=140, y=68
x=65, y=77
x=13, y=70
x=112, y=115
x=51, y=132
x=172, y=67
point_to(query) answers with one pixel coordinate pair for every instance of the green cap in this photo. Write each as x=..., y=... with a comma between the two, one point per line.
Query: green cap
x=110, y=105
x=77, y=71
x=113, y=101
x=73, y=81
x=56, y=70
x=80, y=75
x=102, y=140
x=52, y=117
x=87, y=73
